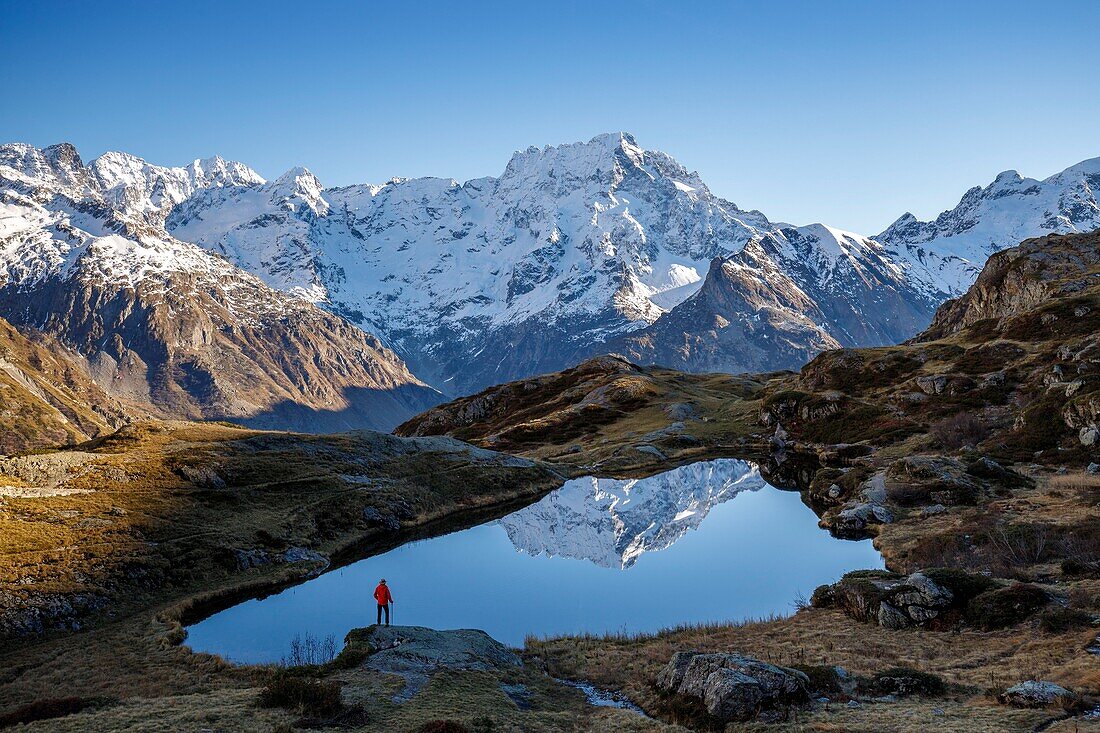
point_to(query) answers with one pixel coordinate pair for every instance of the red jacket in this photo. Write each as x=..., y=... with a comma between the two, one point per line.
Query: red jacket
x=382, y=594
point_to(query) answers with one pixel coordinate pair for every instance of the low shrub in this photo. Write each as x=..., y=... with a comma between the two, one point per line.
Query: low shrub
x=823, y=677
x=823, y=597
x=304, y=695
x=1061, y=620
x=988, y=357
x=963, y=585
x=940, y=550
x=349, y=658
x=905, y=681
x=1003, y=607
x=961, y=430
x=1020, y=544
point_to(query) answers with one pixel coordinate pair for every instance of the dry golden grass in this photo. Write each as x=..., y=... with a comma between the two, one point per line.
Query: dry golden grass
x=975, y=661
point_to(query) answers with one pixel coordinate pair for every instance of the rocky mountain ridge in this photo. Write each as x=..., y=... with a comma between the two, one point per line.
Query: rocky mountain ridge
x=572, y=251
x=162, y=323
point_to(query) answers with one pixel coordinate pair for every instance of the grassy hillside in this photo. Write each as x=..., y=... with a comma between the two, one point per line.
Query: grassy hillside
x=46, y=397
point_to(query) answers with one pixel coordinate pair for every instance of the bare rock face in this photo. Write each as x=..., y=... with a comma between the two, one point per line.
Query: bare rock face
x=1020, y=279
x=733, y=687
x=736, y=322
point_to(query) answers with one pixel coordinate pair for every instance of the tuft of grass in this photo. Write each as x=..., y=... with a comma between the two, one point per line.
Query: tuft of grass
x=302, y=695
x=1061, y=620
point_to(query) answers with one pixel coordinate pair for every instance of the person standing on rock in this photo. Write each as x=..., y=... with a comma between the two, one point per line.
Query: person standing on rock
x=384, y=598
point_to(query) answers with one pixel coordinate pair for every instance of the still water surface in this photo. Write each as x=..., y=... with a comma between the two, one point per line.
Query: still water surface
x=710, y=541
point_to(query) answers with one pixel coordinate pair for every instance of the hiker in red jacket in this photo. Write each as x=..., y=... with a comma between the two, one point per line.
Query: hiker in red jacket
x=385, y=598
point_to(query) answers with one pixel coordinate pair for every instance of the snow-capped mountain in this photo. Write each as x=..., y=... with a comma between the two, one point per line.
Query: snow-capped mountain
x=163, y=323
x=573, y=250
x=947, y=254
x=613, y=522
x=570, y=248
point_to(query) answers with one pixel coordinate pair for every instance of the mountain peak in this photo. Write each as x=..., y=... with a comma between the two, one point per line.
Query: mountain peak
x=219, y=171
x=299, y=184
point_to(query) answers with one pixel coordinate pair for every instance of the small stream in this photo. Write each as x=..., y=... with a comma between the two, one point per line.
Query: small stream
x=702, y=543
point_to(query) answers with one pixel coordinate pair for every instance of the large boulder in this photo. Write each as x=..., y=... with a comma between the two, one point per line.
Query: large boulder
x=733, y=687
x=1037, y=694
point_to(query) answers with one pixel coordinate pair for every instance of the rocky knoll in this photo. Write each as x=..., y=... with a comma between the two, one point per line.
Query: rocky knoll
x=734, y=687
x=563, y=411
x=937, y=598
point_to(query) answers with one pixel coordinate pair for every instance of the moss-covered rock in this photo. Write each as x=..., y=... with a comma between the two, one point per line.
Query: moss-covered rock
x=905, y=681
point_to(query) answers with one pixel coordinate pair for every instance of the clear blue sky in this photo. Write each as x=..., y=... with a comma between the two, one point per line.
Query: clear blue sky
x=849, y=112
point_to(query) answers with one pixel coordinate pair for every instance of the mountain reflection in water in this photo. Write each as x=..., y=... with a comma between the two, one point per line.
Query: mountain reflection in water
x=612, y=522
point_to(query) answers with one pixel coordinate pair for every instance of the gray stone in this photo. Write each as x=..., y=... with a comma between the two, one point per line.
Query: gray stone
x=1036, y=694
x=1088, y=435
x=303, y=554
x=1093, y=469
x=932, y=384
x=920, y=614
x=931, y=511
x=855, y=517
x=651, y=450
x=732, y=695
x=733, y=687
x=890, y=617
x=385, y=520
x=253, y=558
x=927, y=592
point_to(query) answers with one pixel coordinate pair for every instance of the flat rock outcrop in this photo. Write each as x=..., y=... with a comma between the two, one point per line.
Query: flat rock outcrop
x=415, y=653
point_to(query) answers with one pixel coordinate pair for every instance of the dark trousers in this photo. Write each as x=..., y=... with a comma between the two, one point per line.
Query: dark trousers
x=382, y=608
